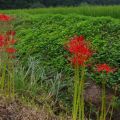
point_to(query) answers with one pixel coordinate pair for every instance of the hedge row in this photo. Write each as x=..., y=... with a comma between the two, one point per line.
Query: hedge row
x=43, y=36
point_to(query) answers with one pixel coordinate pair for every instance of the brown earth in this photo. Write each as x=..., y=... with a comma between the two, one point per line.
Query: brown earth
x=17, y=111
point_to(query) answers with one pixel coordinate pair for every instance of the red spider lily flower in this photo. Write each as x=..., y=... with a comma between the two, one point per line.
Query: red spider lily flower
x=11, y=32
x=104, y=67
x=1, y=43
x=5, y=18
x=2, y=38
x=80, y=60
x=13, y=41
x=74, y=44
x=10, y=50
x=78, y=47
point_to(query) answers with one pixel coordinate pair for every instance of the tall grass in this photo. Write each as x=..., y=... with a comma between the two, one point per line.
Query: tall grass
x=113, y=11
x=32, y=81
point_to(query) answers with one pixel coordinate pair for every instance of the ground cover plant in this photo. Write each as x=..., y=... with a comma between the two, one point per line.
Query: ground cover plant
x=41, y=38
x=49, y=32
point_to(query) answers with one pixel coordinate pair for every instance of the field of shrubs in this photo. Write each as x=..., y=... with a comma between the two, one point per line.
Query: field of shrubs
x=43, y=73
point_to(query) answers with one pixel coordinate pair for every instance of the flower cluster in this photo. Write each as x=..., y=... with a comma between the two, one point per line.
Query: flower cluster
x=5, y=18
x=7, y=38
x=79, y=49
x=104, y=67
x=7, y=41
x=81, y=52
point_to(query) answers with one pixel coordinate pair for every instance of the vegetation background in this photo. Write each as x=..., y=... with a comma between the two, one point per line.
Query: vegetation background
x=43, y=74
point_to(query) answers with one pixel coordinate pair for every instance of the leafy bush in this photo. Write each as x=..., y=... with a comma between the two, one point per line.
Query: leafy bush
x=43, y=36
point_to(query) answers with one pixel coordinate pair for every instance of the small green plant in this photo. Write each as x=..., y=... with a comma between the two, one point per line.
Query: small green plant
x=28, y=78
x=31, y=81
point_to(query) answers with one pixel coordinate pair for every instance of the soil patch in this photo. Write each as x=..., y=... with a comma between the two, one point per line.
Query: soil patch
x=17, y=111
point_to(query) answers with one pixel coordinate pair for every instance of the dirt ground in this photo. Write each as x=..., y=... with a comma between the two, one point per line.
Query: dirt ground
x=17, y=111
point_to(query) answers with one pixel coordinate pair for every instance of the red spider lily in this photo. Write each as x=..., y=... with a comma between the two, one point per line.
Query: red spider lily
x=9, y=42
x=13, y=41
x=1, y=43
x=11, y=32
x=104, y=67
x=10, y=50
x=2, y=38
x=80, y=60
x=77, y=45
x=80, y=50
x=5, y=18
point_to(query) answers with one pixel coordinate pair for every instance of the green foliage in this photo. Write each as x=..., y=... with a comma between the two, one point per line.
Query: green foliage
x=32, y=82
x=112, y=11
x=26, y=78
x=43, y=36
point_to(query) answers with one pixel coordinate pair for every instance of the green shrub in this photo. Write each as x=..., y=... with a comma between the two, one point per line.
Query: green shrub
x=43, y=36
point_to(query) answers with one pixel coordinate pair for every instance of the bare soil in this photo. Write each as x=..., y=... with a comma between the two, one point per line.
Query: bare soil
x=17, y=111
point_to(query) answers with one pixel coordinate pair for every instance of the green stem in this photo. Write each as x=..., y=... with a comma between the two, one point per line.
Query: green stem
x=103, y=108
x=113, y=100
x=90, y=111
x=13, y=85
x=111, y=113
x=8, y=90
x=76, y=83
x=3, y=77
x=104, y=101
x=81, y=95
x=98, y=115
